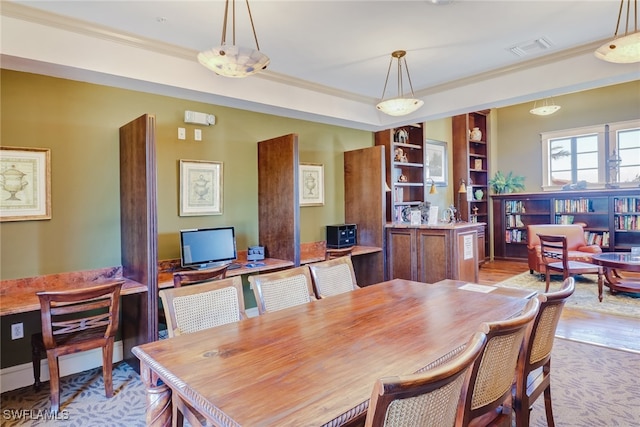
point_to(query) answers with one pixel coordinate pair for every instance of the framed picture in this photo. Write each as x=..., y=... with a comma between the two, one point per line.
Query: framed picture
x=200, y=188
x=311, y=184
x=25, y=183
x=436, y=161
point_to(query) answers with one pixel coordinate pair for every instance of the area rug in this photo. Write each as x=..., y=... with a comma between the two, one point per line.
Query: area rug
x=585, y=295
x=591, y=386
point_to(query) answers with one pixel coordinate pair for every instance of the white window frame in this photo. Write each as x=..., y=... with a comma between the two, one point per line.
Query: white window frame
x=602, y=131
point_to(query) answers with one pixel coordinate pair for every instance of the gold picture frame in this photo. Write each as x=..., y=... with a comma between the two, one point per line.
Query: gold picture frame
x=201, y=185
x=311, y=184
x=25, y=184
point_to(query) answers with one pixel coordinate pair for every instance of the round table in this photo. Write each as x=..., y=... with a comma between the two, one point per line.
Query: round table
x=613, y=262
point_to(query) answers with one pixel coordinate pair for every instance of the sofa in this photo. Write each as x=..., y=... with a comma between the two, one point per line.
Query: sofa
x=578, y=249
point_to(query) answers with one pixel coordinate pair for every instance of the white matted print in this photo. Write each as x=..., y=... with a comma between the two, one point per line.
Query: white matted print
x=436, y=161
x=311, y=184
x=25, y=183
x=200, y=188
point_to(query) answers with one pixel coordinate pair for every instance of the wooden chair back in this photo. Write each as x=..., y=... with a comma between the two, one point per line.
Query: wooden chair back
x=493, y=373
x=536, y=353
x=189, y=277
x=282, y=289
x=554, y=253
x=205, y=305
x=428, y=398
x=77, y=320
x=333, y=277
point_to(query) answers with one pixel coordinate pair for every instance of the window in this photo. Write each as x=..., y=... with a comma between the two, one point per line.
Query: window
x=576, y=155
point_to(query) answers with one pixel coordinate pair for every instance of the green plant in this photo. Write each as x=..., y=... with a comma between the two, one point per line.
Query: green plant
x=509, y=183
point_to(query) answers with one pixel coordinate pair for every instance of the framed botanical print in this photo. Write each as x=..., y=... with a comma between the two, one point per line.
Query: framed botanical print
x=25, y=184
x=311, y=184
x=436, y=161
x=200, y=188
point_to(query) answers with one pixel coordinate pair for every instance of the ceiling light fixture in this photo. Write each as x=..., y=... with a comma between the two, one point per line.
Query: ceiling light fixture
x=626, y=49
x=548, y=107
x=233, y=60
x=399, y=106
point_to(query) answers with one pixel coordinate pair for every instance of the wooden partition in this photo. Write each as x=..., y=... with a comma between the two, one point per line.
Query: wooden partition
x=278, y=207
x=139, y=229
x=365, y=206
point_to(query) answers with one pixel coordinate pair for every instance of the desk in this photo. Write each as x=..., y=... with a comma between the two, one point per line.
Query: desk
x=315, y=364
x=619, y=261
x=19, y=295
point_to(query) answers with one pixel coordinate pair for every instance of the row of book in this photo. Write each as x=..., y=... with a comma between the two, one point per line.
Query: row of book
x=514, y=221
x=594, y=238
x=564, y=219
x=573, y=205
x=627, y=222
x=627, y=204
x=514, y=206
x=512, y=236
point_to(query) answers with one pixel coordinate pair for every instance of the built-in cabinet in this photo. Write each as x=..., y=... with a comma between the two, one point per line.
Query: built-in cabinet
x=432, y=253
x=470, y=147
x=405, y=174
x=611, y=218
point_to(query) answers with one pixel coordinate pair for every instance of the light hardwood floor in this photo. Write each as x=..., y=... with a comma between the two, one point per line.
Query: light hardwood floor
x=587, y=326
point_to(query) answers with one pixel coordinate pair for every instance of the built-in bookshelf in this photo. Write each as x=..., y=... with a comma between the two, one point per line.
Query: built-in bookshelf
x=611, y=218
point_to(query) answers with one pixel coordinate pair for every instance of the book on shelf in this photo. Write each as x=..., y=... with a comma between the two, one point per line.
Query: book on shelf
x=564, y=219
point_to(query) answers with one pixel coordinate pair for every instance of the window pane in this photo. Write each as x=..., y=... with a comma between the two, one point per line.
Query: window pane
x=587, y=160
x=587, y=143
x=589, y=175
x=628, y=139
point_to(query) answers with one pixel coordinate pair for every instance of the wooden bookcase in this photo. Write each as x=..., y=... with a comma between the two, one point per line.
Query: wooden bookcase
x=611, y=218
x=471, y=166
x=405, y=174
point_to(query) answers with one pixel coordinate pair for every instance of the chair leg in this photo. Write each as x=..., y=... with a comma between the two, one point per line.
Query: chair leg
x=600, y=283
x=107, y=367
x=547, y=407
x=547, y=279
x=36, y=356
x=54, y=381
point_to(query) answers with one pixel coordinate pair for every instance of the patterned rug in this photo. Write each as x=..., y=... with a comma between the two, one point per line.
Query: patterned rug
x=591, y=386
x=585, y=295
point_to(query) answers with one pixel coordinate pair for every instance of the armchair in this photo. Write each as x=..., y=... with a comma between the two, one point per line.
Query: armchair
x=577, y=247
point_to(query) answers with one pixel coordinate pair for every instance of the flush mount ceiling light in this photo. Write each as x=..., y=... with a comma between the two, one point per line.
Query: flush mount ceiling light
x=233, y=60
x=548, y=107
x=626, y=49
x=399, y=106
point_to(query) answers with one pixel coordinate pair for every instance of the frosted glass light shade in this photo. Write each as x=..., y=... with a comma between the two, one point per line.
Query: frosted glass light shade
x=544, y=110
x=234, y=61
x=623, y=50
x=399, y=106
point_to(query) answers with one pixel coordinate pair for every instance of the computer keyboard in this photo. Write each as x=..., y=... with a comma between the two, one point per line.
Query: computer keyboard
x=234, y=265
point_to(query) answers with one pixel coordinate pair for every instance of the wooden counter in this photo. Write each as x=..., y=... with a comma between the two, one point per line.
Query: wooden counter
x=19, y=295
x=430, y=253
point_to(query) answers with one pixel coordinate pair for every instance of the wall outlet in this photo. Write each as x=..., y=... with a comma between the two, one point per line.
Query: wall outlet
x=182, y=133
x=197, y=134
x=17, y=331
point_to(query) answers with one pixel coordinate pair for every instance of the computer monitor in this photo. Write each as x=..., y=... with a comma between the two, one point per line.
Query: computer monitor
x=207, y=247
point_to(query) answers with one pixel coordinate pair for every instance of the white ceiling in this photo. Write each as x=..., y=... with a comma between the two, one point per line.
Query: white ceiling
x=329, y=59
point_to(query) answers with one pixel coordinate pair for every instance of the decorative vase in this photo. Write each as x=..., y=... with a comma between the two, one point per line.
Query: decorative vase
x=479, y=194
x=476, y=134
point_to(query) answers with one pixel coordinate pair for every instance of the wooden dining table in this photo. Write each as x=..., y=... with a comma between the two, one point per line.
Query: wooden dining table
x=315, y=364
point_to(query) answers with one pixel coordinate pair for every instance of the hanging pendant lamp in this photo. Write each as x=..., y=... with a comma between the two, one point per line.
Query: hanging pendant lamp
x=626, y=48
x=546, y=108
x=233, y=60
x=399, y=106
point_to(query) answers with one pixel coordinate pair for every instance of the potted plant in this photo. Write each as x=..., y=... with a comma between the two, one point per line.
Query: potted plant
x=509, y=183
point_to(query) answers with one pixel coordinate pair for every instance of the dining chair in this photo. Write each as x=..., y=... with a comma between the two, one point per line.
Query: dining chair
x=331, y=253
x=189, y=277
x=282, y=289
x=201, y=306
x=493, y=373
x=427, y=398
x=536, y=352
x=554, y=253
x=72, y=321
x=332, y=277
x=192, y=308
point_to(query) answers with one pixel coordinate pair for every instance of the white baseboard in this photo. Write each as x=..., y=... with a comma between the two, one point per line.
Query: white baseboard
x=15, y=377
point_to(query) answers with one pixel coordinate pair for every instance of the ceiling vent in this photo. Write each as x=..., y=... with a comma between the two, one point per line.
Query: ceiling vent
x=531, y=47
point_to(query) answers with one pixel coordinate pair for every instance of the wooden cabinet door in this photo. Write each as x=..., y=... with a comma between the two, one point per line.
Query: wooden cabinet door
x=433, y=255
x=401, y=253
x=466, y=256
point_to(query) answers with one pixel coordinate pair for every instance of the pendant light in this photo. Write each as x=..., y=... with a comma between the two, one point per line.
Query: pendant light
x=546, y=108
x=399, y=106
x=625, y=49
x=233, y=60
